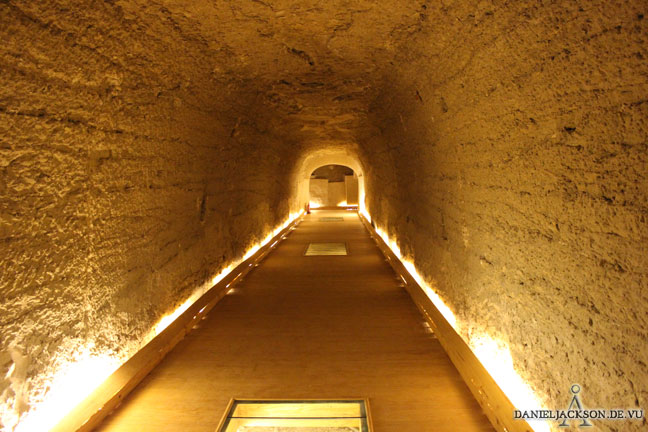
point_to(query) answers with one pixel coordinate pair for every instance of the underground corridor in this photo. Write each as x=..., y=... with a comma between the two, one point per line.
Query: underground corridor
x=307, y=216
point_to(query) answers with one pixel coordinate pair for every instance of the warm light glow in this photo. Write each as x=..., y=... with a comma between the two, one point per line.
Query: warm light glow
x=342, y=204
x=314, y=205
x=251, y=252
x=363, y=211
x=11, y=370
x=496, y=358
x=411, y=269
x=494, y=354
x=219, y=277
x=73, y=382
x=166, y=320
x=81, y=373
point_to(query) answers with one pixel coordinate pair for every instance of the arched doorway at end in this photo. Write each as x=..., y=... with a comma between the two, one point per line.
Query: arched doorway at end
x=333, y=186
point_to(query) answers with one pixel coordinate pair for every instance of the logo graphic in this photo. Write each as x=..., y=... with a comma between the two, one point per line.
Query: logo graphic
x=575, y=406
x=576, y=413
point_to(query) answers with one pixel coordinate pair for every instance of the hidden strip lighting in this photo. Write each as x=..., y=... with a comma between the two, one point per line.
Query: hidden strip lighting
x=168, y=319
x=72, y=382
x=78, y=374
x=493, y=353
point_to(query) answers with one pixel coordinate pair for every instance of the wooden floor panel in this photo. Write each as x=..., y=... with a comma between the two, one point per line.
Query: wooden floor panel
x=309, y=327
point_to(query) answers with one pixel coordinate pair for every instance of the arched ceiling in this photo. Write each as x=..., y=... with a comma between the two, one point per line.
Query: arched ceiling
x=147, y=144
x=313, y=64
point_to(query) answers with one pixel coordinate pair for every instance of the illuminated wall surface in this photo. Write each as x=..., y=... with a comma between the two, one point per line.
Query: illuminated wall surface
x=502, y=146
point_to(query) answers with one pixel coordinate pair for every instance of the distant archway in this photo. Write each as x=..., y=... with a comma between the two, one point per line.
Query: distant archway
x=331, y=156
x=333, y=186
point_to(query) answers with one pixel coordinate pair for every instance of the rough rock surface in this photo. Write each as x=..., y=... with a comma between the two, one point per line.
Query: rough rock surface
x=511, y=164
x=145, y=144
x=127, y=179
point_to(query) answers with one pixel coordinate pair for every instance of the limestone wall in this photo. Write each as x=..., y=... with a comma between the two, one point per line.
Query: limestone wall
x=145, y=144
x=319, y=192
x=127, y=178
x=351, y=185
x=337, y=193
x=510, y=160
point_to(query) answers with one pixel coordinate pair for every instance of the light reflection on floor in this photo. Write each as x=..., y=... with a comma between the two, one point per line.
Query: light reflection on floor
x=296, y=429
x=296, y=416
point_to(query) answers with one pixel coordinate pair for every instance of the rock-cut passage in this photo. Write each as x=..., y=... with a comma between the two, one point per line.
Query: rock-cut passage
x=301, y=327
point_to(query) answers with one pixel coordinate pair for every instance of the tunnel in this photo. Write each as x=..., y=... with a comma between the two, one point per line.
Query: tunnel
x=333, y=186
x=154, y=154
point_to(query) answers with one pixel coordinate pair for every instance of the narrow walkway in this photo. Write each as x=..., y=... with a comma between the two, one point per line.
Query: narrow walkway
x=309, y=327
